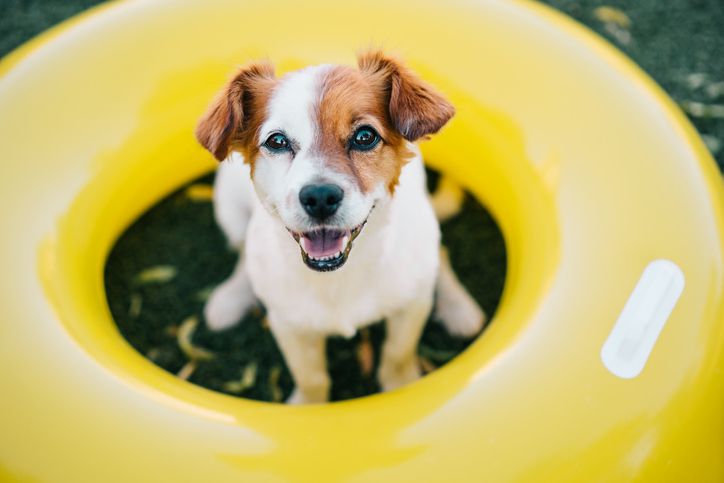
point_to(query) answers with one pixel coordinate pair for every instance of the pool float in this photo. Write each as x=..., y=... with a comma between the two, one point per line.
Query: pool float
x=603, y=362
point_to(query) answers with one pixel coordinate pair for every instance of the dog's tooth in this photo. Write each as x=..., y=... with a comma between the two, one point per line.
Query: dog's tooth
x=302, y=243
x=345, y=240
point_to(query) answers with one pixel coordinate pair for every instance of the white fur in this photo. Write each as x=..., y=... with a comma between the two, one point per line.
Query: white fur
x=392, y=268
x=278, y=180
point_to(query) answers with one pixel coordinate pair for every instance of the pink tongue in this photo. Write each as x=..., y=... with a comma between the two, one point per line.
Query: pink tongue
x=322, y=243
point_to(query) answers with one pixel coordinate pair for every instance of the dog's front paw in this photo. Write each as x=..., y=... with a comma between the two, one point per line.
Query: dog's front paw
x=298, y=397
x=393, y=375
x=226, y=306
x=460, y=314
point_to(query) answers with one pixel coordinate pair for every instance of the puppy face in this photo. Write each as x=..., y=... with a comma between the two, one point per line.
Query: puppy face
x=325, y=144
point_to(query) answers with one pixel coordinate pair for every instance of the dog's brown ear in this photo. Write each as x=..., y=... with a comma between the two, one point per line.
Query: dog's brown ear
x=415, y=108
x=225, y=119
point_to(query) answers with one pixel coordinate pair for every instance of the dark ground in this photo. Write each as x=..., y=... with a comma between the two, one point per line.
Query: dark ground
x=163, y=267
x=680, y=43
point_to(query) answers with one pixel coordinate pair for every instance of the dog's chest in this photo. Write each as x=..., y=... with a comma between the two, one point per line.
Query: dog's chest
x=379, y=278
x=342, y=305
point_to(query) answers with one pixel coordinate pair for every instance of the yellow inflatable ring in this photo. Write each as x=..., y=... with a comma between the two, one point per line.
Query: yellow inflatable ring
x=608, y=201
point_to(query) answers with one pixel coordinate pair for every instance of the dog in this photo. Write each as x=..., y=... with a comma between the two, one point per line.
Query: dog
x=323, y=190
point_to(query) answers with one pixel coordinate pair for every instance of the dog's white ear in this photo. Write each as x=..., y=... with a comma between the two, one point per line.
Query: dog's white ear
x=225, y=120
x=415, y=108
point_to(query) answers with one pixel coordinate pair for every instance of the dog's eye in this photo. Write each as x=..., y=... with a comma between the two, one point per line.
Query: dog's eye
x=364, y=139
x=277, y=142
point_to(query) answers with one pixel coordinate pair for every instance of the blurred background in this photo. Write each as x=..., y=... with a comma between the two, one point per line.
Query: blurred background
x=680, y=43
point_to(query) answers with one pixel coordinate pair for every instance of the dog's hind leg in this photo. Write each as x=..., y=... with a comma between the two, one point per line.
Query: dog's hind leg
x=232, y=209
x=447, y=200
x=455, y=308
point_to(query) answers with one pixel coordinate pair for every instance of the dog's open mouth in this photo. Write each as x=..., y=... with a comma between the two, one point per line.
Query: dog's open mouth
x=325, y=249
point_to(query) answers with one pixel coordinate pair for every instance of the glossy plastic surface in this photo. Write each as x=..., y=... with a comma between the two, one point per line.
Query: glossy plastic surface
x=590, y=169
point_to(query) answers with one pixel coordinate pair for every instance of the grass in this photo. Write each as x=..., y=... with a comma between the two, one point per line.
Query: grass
x=162, y=269
x=678, y=42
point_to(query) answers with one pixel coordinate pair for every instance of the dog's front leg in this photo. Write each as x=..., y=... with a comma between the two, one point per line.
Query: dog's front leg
x=305, y=355
x=399, y=364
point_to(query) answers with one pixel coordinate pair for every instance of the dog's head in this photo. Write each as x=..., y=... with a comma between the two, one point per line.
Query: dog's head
x=325, y=144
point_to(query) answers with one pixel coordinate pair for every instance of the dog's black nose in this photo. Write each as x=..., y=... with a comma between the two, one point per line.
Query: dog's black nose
x=321, y=200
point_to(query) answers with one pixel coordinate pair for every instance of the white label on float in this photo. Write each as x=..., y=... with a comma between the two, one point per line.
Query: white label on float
x=629, y=344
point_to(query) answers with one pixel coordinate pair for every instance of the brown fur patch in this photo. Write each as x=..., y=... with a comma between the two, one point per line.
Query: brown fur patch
x=233, y=119
x=351, y=99
x=415, y=108
x=383, y=94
